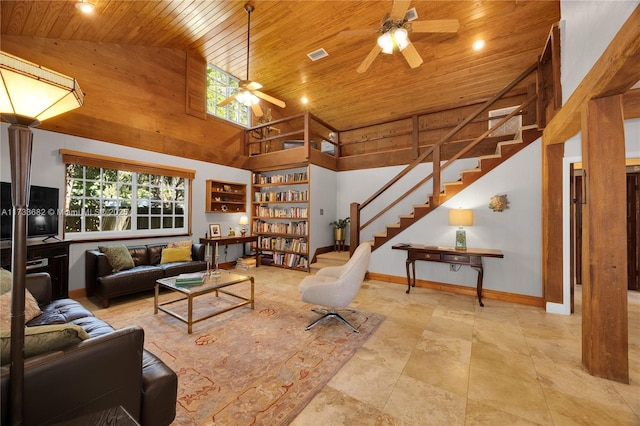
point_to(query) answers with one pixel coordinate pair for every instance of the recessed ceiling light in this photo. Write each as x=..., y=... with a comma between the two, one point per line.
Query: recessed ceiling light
x=304, y=100
x=85, y=6
x=478, y=44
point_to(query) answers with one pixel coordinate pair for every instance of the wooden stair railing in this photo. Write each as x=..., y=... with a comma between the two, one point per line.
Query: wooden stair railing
x=436, y=197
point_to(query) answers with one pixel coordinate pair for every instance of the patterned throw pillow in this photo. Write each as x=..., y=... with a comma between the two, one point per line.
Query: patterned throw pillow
x=119, y=257
x=179, y=254
x=177, y=244
x=31, y=309
x=42, y=339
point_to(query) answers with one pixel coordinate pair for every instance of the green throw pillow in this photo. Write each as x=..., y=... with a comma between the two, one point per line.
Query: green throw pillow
x=118, y=256
x=5, y=281
x=41, y=339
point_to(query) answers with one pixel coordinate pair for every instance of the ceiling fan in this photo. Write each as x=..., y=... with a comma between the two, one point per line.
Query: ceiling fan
x=394, y=34
x=248, y=93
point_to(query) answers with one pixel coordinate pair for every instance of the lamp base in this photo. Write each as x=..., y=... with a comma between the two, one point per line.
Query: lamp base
x=461, y=240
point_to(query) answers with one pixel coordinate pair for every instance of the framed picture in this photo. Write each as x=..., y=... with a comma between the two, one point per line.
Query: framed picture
x=214, y=230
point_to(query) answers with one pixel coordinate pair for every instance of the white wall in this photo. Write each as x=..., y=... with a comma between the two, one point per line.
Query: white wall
x=322, y=207
x=48, y=170
x=581, y=47
x=516, y=231
x=587, y=29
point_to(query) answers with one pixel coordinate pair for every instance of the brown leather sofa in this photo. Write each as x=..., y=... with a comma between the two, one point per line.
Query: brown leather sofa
x=110, y=369
x=104, y=284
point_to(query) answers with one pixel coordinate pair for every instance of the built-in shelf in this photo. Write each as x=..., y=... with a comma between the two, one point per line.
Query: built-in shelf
x=225, y=197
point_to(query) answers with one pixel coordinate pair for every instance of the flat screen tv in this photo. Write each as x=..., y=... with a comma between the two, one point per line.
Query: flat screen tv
x=42, y=219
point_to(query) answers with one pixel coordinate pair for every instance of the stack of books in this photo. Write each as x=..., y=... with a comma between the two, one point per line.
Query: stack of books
x=188, y=280
x=246, y=263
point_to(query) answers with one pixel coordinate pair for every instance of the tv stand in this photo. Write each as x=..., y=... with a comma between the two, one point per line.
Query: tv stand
x=51, y=237
x=44, y=256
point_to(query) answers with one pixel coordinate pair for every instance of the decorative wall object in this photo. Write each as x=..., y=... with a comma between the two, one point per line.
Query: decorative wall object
x=499, y=203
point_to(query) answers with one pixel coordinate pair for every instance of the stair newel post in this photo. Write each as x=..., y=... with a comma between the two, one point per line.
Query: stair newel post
x=354, y=220
x=436, y=175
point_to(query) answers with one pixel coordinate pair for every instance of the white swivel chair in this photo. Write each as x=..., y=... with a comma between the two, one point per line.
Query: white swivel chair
x=334, y=287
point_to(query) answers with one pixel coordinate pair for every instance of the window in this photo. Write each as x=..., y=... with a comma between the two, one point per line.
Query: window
x=220, y=86
x=111, y=198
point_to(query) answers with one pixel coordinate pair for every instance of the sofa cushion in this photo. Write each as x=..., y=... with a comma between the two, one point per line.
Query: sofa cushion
x=139, y=255
x=177, y=254
x=42, y=339
x=119, y=257
x=155, y=252
x=177, y=268
x=140, y=278
x=31, y=309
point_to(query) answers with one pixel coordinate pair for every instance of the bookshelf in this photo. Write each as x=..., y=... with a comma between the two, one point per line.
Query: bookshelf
x=280, y=217
x=225, y=197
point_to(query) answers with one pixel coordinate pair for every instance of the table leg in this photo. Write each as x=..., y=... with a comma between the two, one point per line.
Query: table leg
x=252, y=294
x=409, y=275
x=479, y=283
x=155, y=299
x=189, y=313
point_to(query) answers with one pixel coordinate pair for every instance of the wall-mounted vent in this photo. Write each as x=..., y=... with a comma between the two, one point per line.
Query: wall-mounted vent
x=512, y=126
x=317, y=54
x=411, y=14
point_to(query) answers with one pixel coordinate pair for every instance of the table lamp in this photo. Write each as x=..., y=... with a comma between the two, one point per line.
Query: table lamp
x=244, y=220
x=460, y=218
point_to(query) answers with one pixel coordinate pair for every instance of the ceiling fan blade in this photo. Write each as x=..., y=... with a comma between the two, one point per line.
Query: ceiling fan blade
x=268, y=98
x=399, y=9
x=436, y=26
x=228, y=100
x=357, y=33
x=257, y=111
x=412, y=56
x=364, y=66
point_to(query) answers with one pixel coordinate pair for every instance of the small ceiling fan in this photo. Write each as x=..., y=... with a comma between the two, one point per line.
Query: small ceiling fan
x=248, y=93
x=394, y=34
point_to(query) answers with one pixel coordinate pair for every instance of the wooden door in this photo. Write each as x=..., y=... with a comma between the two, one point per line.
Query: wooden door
x=633, y=230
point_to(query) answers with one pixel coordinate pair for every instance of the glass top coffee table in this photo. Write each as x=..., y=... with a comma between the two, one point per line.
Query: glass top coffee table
x=211, y=284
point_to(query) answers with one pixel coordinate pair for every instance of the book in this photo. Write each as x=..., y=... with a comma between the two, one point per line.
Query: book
x=190, y=279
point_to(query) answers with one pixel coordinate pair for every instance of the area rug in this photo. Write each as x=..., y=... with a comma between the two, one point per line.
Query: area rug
x=246, y=367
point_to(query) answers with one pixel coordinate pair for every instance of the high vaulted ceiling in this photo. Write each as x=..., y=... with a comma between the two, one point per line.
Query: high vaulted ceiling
x=283, y=32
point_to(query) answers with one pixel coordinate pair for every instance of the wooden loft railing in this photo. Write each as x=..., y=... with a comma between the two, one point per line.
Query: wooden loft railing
x=291, y=142
x=435, y=152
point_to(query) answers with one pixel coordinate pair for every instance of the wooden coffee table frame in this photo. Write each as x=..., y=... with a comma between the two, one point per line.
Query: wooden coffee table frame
x=211, y=285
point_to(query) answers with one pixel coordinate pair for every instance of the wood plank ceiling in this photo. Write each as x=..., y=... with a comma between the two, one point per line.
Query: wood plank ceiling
x=283, y=32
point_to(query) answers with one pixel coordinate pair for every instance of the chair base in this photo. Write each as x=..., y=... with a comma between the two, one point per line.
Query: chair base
x=326, y=313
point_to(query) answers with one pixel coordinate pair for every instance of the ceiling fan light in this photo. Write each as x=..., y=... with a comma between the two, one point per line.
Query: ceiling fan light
x=385, y=41
x=400, y=35
x=85, y=7
x=253, y=99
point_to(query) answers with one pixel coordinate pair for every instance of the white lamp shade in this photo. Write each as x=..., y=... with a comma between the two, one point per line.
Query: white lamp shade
x=244, y=220
x=29, y=90
x=461, y=217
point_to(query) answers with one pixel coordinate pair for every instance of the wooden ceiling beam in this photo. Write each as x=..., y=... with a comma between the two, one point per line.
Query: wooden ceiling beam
x=615, y=72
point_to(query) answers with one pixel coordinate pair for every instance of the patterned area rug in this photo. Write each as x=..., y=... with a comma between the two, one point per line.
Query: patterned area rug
x=246, y=366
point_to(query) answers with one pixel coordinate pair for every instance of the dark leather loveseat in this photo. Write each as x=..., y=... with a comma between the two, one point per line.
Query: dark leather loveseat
x=108, y=370
x=103, y=283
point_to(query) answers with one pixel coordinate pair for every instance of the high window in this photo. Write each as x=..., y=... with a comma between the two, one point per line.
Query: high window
x=220, y=86
x=112, y=198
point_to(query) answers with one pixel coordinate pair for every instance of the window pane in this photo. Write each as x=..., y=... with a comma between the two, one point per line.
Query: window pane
x=221, y=85
x=92, y=173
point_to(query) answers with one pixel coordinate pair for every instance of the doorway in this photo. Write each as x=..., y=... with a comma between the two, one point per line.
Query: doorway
x=633, y=227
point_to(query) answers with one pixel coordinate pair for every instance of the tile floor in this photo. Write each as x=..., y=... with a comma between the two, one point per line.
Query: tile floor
x=440, y=359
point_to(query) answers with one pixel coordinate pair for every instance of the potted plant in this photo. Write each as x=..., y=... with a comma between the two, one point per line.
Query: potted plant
x=339, y=227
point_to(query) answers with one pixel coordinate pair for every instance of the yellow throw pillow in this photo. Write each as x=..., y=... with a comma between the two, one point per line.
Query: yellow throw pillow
x=177, y=254
x=5, y=281
x=31, y=309
x=42, y=339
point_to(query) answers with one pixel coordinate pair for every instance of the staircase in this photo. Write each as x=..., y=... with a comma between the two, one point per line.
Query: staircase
x=504, y=151
x=333, y=258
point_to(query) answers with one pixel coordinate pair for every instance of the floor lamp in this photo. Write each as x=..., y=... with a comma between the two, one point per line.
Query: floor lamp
x=29, y=94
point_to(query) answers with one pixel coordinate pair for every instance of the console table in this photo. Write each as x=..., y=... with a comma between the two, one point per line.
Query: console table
x=471, y=257
x=225, y=241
